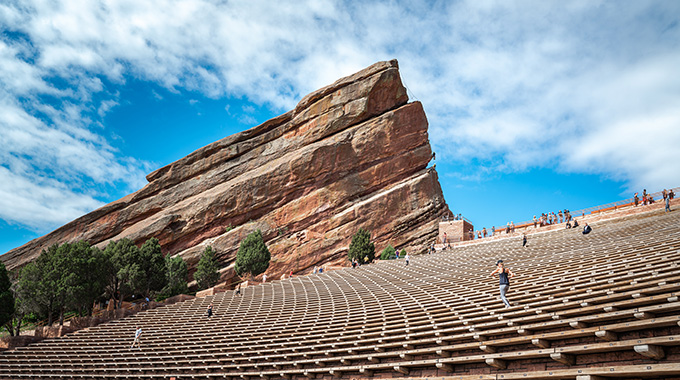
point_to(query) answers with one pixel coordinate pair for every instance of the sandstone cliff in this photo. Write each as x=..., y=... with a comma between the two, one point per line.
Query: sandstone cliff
x=353, y=154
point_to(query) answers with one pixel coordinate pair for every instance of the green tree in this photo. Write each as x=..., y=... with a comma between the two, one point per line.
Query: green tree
x=388, y=253
x=361, y=246
x=176, y=277
x=207, y=271
x=90, y=267
x=29, y=292
x=6, y=296
x=56, y=279
x=125, y=274
x=113, y=263
x=253, y=256
x=13, y=325
x=64, y=277
x=24, y=298
x=153, y=265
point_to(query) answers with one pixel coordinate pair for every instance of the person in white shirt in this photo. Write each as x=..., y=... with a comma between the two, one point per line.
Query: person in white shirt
x=138, y=338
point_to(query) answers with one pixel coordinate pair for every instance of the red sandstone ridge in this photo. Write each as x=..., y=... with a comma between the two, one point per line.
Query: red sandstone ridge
x=353, y=154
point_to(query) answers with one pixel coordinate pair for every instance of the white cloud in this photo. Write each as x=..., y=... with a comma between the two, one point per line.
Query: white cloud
x=248, y=120
x=105, y=107
x=582, y=86
x=40, y=203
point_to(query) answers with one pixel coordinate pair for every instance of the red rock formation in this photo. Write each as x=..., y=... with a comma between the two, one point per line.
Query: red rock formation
x=353, y=154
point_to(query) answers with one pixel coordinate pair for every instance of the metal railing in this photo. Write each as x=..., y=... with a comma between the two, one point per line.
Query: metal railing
x=67, y=317
x=453, y=218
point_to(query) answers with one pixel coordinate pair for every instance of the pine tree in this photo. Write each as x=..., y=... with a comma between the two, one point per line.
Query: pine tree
x=176, y=277
x=253, y=256
x=388, y=253
x=361, y=246
x=153, y=265
x=207, y=271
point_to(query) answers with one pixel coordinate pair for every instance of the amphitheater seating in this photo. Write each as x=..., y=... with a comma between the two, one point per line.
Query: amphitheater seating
x=603, y=305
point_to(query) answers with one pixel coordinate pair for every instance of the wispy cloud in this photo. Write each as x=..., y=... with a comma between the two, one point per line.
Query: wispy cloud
x=583, y=86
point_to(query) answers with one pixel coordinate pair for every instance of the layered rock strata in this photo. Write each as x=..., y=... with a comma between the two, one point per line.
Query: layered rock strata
x=353, y=154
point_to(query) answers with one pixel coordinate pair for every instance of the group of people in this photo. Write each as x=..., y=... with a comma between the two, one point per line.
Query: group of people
x=483, y=233
x=357, y=263
x=552, y=218
x=648, y=199
x=569, y=225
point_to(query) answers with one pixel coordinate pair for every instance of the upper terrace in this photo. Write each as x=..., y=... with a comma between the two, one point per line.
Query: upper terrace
x=457, y=230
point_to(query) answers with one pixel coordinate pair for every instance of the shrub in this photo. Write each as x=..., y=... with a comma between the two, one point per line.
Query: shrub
x=388, y=253
x=253, y=256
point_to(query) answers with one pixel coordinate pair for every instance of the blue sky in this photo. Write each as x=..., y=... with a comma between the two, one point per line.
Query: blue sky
x=533, y=106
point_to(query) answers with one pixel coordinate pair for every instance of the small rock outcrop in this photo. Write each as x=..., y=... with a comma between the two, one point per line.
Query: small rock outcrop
x=353, y=154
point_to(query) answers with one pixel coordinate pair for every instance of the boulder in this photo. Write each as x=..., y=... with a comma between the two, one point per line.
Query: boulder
x=350, y=155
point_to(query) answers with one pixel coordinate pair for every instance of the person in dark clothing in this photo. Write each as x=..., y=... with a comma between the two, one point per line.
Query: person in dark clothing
x=210, y=307
x=524, y=240
x=504, y=274
x=586, y=229
x=575, y=223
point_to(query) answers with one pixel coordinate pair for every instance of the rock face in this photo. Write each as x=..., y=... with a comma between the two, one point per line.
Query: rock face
x=353, y=154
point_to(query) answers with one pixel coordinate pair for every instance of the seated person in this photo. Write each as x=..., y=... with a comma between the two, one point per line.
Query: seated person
x=575, y=223
x=568, y=225
x=586, y=229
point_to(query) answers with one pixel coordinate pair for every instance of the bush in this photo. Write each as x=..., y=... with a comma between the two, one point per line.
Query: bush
x=207, y=271
x=253, y=256
x=361, y=246
x=388, y=253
